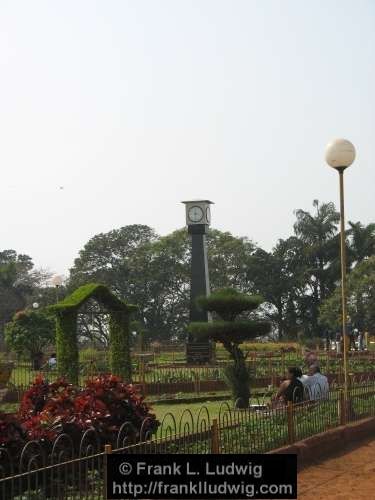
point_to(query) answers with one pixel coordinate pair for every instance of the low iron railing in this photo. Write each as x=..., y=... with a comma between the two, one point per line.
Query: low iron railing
x=64, y=474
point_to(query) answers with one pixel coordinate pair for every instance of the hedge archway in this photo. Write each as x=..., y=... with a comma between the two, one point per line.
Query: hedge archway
x=66, y=313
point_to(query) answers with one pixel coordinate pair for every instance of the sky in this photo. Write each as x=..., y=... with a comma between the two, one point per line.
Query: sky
x=131, y=106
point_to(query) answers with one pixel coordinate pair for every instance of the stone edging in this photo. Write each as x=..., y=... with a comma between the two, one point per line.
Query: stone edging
x=322, y=445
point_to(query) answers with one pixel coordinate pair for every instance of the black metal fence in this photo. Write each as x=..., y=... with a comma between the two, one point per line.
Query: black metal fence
x=64, y=473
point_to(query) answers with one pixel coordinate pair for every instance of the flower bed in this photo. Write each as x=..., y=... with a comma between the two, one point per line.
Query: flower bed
x=48, y=410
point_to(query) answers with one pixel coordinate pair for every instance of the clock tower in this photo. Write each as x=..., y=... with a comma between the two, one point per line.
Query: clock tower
x=198, y=219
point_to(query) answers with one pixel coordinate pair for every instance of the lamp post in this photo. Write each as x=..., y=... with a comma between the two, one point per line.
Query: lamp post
x=340, y=154
x=56, y=282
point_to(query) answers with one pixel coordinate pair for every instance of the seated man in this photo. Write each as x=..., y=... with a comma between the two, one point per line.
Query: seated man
x=310, y=358
x=290, y=389
x=316, y=384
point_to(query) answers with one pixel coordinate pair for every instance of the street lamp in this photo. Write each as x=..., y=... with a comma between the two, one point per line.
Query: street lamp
x=340, y=154
x=56, y=282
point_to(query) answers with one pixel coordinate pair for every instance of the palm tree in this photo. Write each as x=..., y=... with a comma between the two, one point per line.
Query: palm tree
x=318, y=232
x=362, y=241
x=317, y=229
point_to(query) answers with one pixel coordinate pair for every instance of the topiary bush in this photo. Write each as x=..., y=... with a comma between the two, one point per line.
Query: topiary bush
x=231, y=332
x=119, y=345
x=67, y=346
x=66, y=313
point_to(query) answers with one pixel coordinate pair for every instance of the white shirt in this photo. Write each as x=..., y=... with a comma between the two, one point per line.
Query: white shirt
x=52, y=362
x=317, y=386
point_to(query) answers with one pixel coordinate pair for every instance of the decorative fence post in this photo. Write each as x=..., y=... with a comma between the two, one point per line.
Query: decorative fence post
x=290, y=417
x=215, y=437
x=197, y=381
x=342, y=408
x=107, y=451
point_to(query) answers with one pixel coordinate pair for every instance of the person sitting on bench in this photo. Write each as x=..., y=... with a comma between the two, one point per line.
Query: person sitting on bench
x=290, y=389
x=316, y=384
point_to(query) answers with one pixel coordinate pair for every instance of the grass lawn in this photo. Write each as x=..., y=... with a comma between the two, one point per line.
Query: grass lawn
x=177, y=409
x=9, y=407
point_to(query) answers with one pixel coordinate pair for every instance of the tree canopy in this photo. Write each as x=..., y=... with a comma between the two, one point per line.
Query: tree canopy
x=18, y=281
x=295, y=277
x=30, y=333
x=361, y=299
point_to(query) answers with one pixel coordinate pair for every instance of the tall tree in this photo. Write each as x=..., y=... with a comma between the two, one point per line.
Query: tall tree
x=318, y=233
x=29, y=334
x=228, y=260
x=154, y=273
x=361, y=299
x=18, y=280
x=109, y=258
x=361, y=241
x=278, y=277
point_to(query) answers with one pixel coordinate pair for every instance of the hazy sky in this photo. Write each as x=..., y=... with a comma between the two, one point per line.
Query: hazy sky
x=133, y=106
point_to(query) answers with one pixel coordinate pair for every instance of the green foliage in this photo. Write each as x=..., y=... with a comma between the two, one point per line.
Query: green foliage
x=119, y=345
x=122, y=260
x=295, y=278
x=278, y=277
x=229, y=303
x=154, y=272
x=66, y=313
x=29, y=333
x=67, y=345
x=319, y=234
x=18, y=280
x=361, y=299
x=362, y=241
x=235, y=331
x=92, y=290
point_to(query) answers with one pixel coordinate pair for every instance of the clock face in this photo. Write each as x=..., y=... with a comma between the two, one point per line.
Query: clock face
x=195, y=214
x=208, y=214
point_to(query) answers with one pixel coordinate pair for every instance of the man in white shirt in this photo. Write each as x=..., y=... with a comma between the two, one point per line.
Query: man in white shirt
x=316, y=384
x=52, y=362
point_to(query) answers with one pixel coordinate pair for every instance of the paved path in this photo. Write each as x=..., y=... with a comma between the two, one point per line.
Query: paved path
x=349, y=476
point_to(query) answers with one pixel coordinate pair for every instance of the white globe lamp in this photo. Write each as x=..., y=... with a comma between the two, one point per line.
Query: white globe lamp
x=340, y=154
x=57, y=280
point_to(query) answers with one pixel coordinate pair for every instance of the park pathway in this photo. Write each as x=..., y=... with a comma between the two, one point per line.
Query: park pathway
x=349, y=476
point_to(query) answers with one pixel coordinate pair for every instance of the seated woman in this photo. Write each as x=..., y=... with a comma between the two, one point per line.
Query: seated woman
x=290, y=389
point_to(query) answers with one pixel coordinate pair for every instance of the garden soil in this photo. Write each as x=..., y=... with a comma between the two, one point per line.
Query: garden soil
x=349, y=476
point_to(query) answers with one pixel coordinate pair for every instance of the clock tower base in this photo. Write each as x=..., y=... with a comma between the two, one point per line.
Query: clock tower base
x=198, y=351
